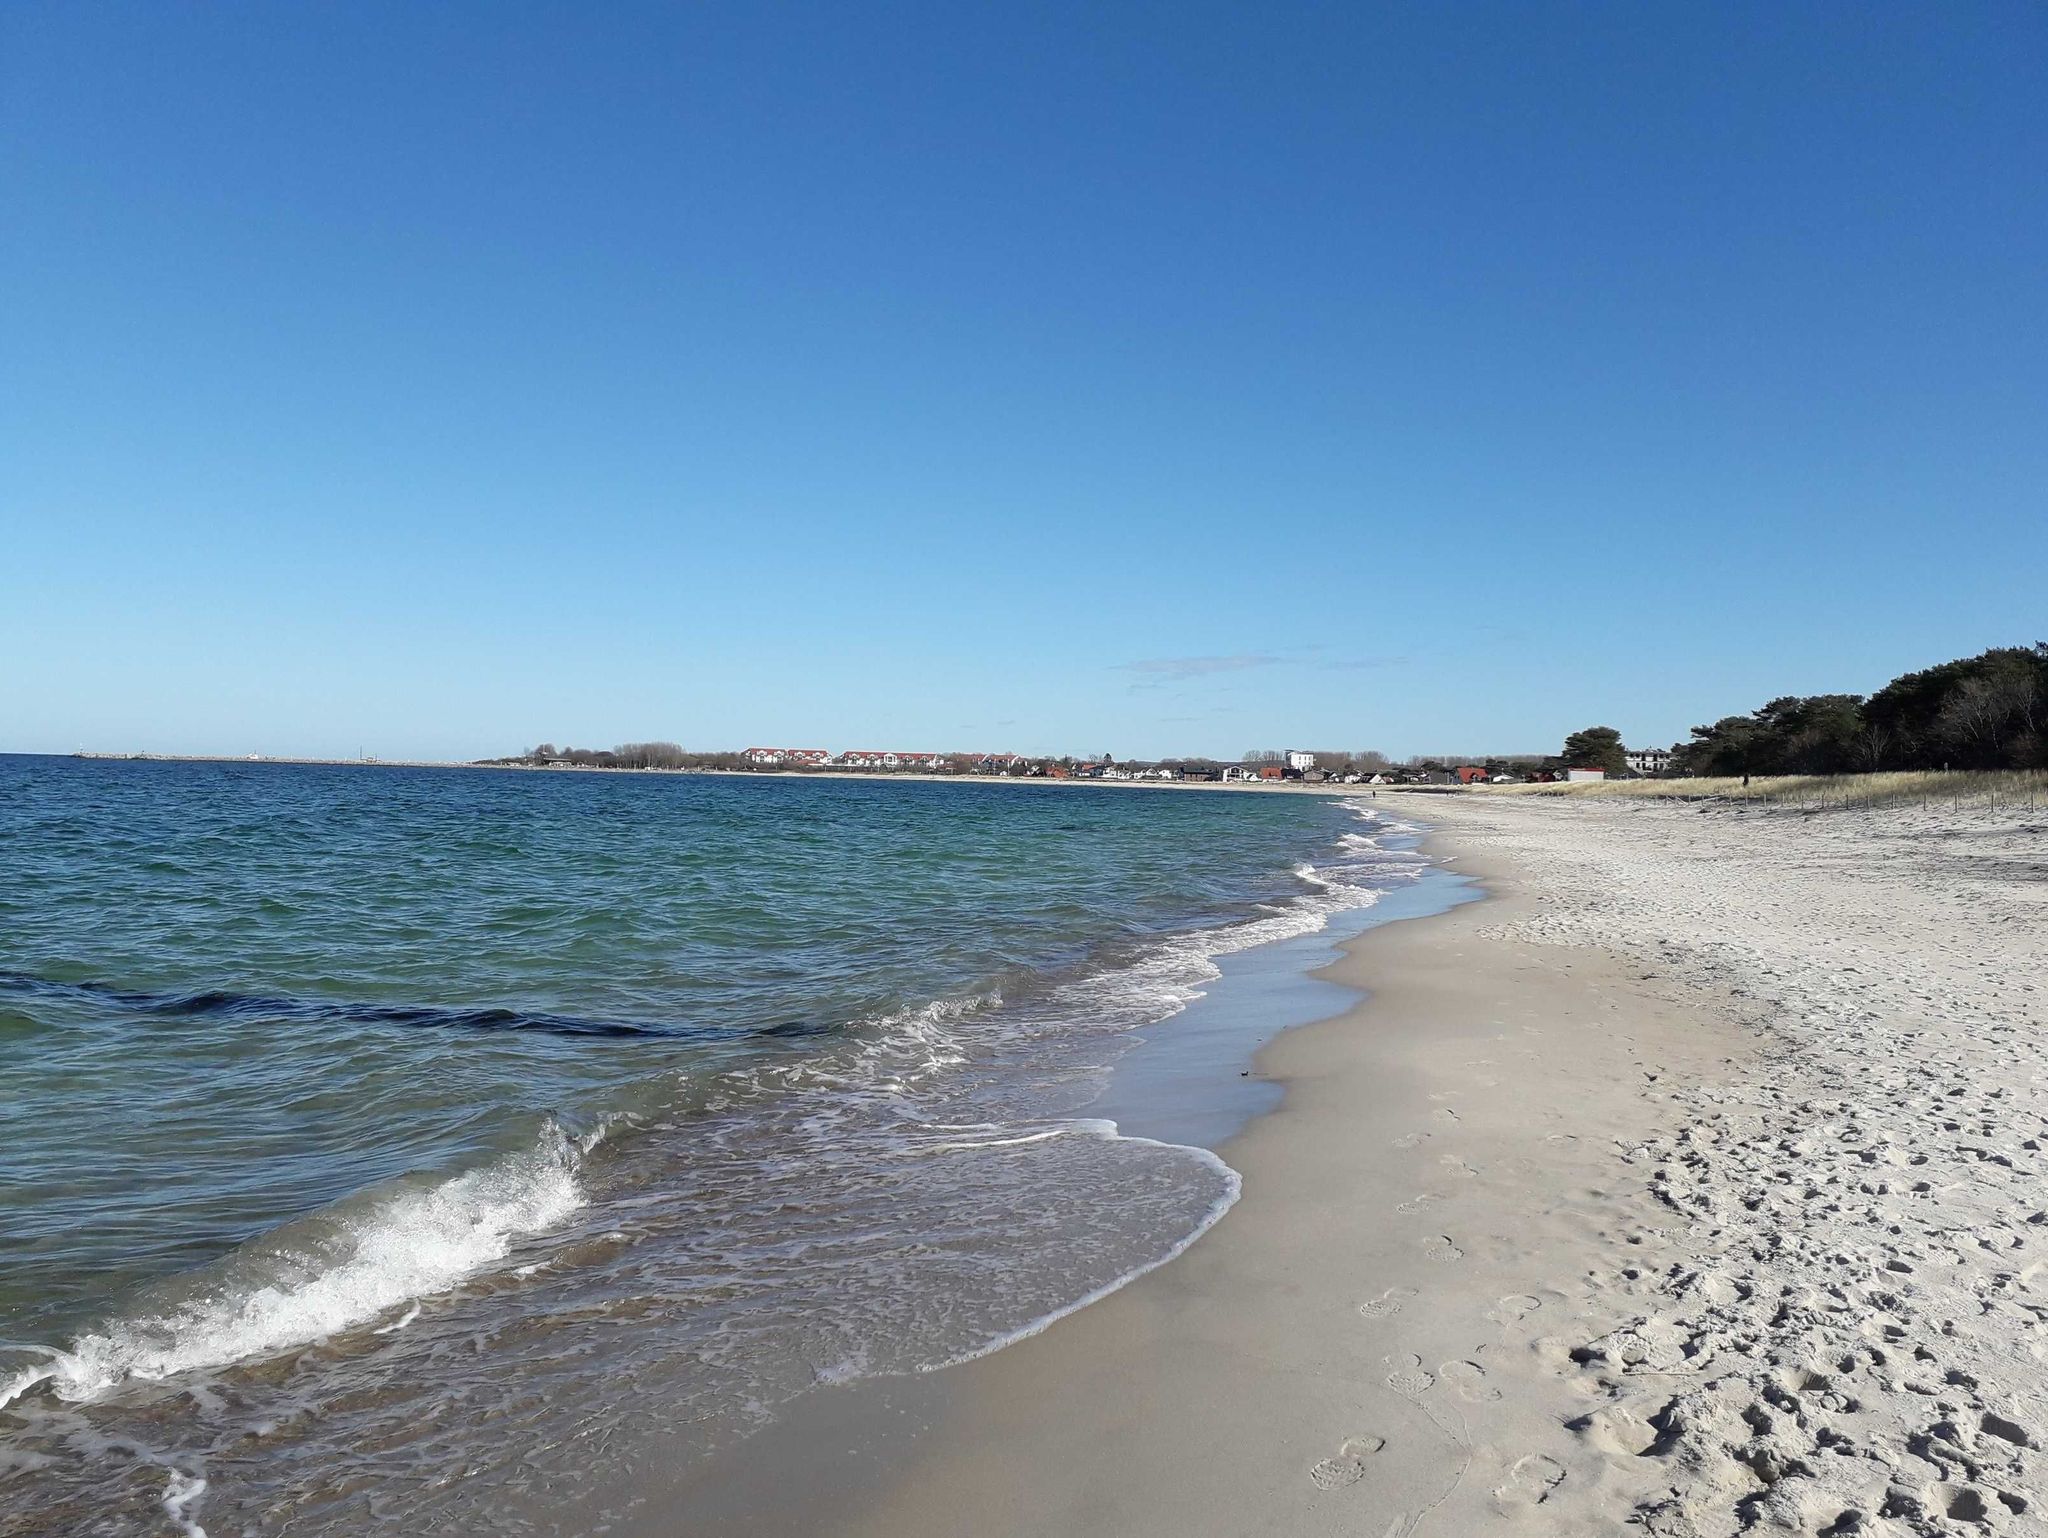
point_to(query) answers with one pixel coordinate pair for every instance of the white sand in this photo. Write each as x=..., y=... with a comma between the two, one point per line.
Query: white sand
x=1845, y=1323
x=1691, y=1186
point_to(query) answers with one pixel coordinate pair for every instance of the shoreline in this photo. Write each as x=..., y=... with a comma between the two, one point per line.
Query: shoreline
x=1190, y=1400
x=1286, y=787
x=236, y=1470
x=1682, y=1186
x=1190, y=1081
x=1342, y=1354
x=1686, y=1184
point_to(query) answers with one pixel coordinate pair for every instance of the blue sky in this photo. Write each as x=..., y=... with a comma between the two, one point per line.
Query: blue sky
x=1143, y=378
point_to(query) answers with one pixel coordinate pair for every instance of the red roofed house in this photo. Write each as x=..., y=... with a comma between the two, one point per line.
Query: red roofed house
x=1471, y=774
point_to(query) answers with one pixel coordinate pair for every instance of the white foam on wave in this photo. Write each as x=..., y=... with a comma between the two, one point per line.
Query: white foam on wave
x=905, y=1049
x=1233, y=1187
x=402, y=1247
x=1172, y=977
x=180, y=1496
x=910, y=1046
x=976, y=1144
x=926, y=1030
x=417, y=1242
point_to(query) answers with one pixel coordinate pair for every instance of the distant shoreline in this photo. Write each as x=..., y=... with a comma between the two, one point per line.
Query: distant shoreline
x=1263, y=787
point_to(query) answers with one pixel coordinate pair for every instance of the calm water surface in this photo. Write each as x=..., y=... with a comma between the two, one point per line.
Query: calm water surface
x=380, y=1143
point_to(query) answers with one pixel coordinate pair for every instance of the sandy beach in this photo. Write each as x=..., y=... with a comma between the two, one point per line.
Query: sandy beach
x=1046, y=771
x=1687, y=1185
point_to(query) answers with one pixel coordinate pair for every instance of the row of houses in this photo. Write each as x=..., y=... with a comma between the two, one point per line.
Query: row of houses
x=1008, y=764
x=871, y=758
x=1473, y=774
x=1294, y=765
x=1060, y=771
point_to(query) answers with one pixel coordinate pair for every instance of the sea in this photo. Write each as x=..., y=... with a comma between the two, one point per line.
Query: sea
x=390, y=1150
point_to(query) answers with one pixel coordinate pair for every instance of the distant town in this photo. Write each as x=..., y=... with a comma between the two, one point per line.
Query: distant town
x=1985, y=712
x=1267, y=766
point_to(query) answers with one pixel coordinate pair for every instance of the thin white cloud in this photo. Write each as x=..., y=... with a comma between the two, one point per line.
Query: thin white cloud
x=1360, y=664
x=1175, y=669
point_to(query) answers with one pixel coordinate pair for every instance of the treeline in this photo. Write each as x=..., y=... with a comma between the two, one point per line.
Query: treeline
x=627, y=755
x=1984, y=712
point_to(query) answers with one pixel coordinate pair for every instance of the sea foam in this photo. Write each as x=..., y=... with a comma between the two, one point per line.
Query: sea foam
x=400, y=1246
x=1167, y=981
x=395, y=1249
x=1232, y=1188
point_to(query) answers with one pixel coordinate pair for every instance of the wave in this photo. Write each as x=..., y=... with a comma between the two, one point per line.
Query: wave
x=1335, y=887
x=1170, y=979
x=383, y=1251
x=1233, y=1187
x=326, y=1274
x=217, y=1004
x=894, y=1053
x=182, y=1493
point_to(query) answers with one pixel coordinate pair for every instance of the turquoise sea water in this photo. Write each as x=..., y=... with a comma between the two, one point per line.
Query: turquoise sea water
x=364, y=1123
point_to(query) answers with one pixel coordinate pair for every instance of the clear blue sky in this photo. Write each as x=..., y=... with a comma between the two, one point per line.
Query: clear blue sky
x=1177, y=377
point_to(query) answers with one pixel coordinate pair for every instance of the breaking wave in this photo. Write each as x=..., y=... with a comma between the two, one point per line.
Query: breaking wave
x=374, y=1257
x=332, y=1272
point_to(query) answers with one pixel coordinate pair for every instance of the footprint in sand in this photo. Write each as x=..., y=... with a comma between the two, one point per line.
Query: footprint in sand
x=1408, y=1377
x=1620, y=1429
x=1457, y=1166
x=1348, y=1467
x=1440, y=1248
x=1409, y=1139
x=1386, y=1305
x=1513, y=1308
x=1469, y=1379
x=1417, y=1203
x=1530, y=1481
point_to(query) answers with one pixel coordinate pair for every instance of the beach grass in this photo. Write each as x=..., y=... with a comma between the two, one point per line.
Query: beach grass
x=2026, y=788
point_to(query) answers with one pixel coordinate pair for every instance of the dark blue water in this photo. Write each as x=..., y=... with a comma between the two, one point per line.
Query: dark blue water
x=353, y=1115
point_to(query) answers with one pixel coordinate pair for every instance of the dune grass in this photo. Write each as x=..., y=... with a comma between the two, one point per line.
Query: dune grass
x=1993, y=789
